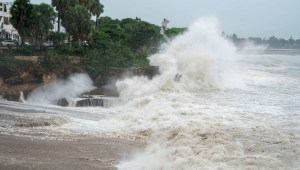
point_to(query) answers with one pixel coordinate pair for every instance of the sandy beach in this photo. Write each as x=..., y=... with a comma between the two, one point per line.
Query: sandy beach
x=84, y=153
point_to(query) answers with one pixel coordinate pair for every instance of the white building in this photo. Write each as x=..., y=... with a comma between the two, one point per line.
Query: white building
x=7, y=31
x=55, y=26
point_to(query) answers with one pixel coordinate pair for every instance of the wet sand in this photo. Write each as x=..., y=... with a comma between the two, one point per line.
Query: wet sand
x=33, y=139
x=84, y=153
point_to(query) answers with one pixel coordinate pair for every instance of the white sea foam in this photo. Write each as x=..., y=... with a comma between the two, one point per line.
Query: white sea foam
x=202, y=121
x=75, y=85
x=206, y=120
x=201, y=56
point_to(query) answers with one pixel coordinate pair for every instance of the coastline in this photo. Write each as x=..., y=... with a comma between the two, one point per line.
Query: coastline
x=32, y=139
x=82, y=153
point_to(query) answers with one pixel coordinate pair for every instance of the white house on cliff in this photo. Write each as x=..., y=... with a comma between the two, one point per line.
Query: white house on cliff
x=7, y=31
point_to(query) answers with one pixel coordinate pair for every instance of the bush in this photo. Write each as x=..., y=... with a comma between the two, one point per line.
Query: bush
x=72, y=49
x=96, y=62
x=8, y=59
x=51, y=62
x=57, y=38
x=24, y=50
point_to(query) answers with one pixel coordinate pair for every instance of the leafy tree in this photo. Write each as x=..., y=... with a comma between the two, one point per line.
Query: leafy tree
x=108, y=23
x=86, y=3
x=41, y=21
x=77, y=22
x=124, y=43
x=62, y=6
x=101, y=40
x=96, y=9
x=256, y=40
x=173, y=32
x=96, y=62
x=141, y=34
x=57, y=38
x=21, y=11
x=291, y=41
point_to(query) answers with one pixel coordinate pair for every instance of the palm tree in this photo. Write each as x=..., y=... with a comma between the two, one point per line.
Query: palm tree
x=86, y=3
x=58, y=4
x=96, y=9
x=77, y=22
x=61, y=6
x=21, y=11
x=42, y=19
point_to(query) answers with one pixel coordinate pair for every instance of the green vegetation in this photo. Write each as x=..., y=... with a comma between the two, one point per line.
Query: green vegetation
x=33, y=22
x=101, y=44
x=271, y=42
x=7, y=59
x=77, y=22
x=41, y=20
x=57, y=38
x=173, y=32
x=21, y=12
x=125, y=43
x=62, y=6
x=50, y=62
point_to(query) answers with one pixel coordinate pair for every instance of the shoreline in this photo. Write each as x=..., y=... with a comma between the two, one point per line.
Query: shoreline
x=83, y=153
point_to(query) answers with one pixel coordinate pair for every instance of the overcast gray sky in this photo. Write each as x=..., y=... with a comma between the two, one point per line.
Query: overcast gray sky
x=263, y=18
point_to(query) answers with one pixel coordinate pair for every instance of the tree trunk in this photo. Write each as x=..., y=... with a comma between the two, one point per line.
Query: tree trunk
x=97, y=17
x=58, y=22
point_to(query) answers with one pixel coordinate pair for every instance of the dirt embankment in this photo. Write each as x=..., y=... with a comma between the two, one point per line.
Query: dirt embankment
x=37, y=71
x=33, y=72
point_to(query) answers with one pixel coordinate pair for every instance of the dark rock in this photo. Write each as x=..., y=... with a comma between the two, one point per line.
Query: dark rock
x=97, y=91
x=62, y=102
x=99, y=80
x=89, y=102
x=151, y=71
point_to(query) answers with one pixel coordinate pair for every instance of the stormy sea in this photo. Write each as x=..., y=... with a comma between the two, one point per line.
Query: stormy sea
x=212, y=106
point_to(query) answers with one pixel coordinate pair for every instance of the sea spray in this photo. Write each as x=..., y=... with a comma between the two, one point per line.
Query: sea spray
x=202, y=58
x=73, y=86
x=189, y=124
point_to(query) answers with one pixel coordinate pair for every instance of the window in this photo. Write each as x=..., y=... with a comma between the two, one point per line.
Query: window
x=6, y=21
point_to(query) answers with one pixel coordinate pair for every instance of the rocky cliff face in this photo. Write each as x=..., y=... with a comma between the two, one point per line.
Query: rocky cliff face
x=24, y=78
x=15, y=79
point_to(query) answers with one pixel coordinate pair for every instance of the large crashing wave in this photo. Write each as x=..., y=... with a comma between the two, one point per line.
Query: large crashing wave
x=188, y=124
x=202, y=56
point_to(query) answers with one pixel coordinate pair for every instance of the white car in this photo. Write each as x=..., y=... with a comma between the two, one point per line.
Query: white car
x=8, y=43
x=48, y=44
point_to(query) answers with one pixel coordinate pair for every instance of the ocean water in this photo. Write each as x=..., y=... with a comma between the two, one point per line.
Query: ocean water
x=230, y=109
